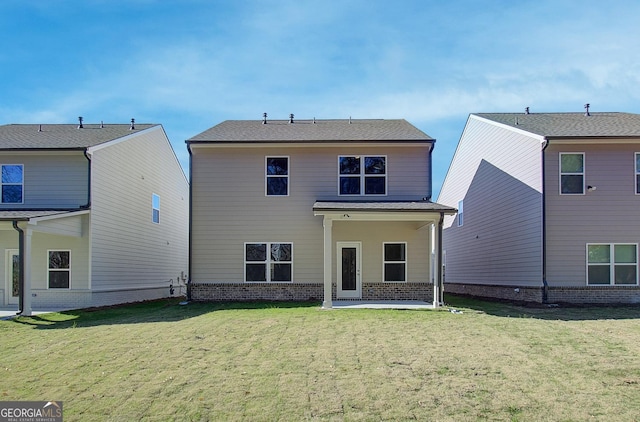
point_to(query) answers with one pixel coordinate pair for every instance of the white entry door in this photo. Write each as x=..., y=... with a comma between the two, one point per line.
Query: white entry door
x=11, y=277
x=348, y=268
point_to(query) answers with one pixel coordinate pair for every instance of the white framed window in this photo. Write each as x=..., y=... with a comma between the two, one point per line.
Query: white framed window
x=12, y=183
x=460, y=212
x=612, y=263
x=637, y=173
x=59, y=269
x=362, y=175
x=571, y=173
x=277, y=176
x=155, y=208
x=394, y=261
x=268, y=262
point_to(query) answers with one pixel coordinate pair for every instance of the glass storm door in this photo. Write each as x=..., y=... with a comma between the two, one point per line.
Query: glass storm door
x=11, y=276
x=348, y=267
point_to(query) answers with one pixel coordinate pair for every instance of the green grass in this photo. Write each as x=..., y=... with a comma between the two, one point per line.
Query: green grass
x=292, y=361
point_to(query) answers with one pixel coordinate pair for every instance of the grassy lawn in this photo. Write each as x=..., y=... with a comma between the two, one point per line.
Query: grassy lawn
x=161, y=361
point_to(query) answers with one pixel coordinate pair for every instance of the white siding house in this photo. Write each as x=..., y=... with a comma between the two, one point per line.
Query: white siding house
x=78, y=224
x=322, y=209
x=548, y=199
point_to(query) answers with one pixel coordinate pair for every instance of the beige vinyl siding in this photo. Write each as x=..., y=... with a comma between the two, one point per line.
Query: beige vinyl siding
x=128, y=249
x=230, y=206
x=78, y=247
x=610, y=214
x=373, y=235
x=497, y=173
x=51, y=180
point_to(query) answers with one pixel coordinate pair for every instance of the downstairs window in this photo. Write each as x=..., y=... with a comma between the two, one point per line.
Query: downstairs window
x=268, y=262
x=612, y=264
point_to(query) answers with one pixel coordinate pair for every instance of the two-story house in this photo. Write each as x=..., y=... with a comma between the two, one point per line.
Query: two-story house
x=313, y=209
x=548, y=207
x=90, y=215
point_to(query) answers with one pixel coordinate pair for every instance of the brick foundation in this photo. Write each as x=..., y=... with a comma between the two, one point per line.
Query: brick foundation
x=306, y=291
x=576, y=295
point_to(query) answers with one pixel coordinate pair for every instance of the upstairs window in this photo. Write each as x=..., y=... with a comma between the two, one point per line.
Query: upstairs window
x=638, y=172
x=609, y=264
x=395, y=261
x=155, y=208
x=59, y=271
x=277, y=176
x=460, y=213
x=268, y=262
x=362, y=175
x=571, y=173
x=12, y=183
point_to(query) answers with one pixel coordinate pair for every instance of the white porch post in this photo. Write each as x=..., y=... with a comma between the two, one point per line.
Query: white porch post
x=438, y=283
x=26, y=294
x=327, y=224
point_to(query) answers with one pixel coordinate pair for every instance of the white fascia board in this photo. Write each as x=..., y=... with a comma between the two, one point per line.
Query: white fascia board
x=379, y=216
x=36, y=220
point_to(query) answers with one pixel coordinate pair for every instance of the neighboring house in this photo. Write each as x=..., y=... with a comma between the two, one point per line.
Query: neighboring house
x=313, y=209
x=548, y=208
x=94, y=214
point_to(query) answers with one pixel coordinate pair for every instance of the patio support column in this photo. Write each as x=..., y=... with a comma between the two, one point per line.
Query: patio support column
x=327, y=224
x=438, y=285
x=26, y=304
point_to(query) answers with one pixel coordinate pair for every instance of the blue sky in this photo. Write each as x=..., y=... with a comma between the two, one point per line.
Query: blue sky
x=191, y=64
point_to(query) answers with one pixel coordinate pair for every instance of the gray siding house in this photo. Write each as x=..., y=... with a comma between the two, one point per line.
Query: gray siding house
x=313, y=209
x=90, y=215
x=548, y=208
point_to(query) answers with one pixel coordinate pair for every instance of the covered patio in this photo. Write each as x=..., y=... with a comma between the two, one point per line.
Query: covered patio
x=425, y=215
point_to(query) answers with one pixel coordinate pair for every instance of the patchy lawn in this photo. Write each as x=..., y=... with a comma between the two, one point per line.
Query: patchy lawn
x=281, y=361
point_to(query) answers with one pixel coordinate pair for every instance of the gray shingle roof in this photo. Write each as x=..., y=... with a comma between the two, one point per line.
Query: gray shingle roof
x=571, y=124
x=312, y=131
x=63, y=136
x=381, y=206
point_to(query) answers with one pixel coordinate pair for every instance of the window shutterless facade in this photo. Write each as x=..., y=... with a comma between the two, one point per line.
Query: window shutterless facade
x=394, y=261
x=12, y=183
x=362, y=175
x=460, y=213
x=59, y=269
x=268, y=262
x=155, y=208
x=277, y=176
x=612, y=264
x=571, y=173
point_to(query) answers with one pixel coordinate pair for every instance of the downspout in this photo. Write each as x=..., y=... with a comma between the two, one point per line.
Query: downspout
x=20, y=266
x=430, y=185
x=190, y=220
x=88, y=157
x=545, y=285
x=439, y=270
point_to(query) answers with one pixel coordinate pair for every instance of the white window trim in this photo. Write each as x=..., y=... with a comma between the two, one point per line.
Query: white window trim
x=583, y=174
x=611, y=264
x=12, y=184
x=362, y=175
x=153, y=208
x=267, y=262
x=636, y=172
x=405, y=262
x=460, y=216
x=267, y=176
x=58, y=270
